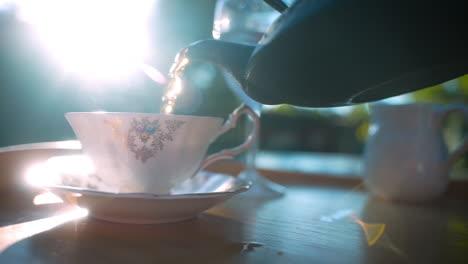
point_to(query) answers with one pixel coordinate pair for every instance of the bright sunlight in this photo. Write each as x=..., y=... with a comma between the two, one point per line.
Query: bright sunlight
x=105, y=39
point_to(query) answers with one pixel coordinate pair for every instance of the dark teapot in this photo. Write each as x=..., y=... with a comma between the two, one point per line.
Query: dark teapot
x=322, y=53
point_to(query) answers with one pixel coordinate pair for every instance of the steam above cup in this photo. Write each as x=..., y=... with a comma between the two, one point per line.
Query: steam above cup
x=152, y=153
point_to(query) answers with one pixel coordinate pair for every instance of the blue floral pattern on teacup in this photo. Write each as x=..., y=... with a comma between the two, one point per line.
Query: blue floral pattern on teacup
x=148, y=137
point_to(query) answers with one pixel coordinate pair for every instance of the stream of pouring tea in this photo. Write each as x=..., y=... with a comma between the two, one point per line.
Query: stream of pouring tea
x=175, y=85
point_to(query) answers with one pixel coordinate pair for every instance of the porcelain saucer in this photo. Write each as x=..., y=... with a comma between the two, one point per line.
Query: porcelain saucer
x=186, y=200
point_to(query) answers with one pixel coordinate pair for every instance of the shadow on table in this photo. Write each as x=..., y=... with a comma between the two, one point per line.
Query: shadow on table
x=206, y=239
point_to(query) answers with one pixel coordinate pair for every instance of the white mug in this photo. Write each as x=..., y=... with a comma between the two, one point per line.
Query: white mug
x=405, y=156
x=151, y=153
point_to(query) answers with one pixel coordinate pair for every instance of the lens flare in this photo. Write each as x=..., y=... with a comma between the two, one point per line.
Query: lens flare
x=372, y=231
x=153, y=73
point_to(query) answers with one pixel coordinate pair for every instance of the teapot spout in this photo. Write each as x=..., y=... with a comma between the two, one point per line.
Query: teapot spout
x=232, y=57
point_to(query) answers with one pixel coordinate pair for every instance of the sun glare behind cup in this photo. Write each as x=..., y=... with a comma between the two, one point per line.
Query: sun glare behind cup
x=39, y=175
x=49, y=172
x=72, y=165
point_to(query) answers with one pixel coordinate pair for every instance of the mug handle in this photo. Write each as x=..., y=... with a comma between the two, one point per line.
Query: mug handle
x=230, y=123
x=460, y=150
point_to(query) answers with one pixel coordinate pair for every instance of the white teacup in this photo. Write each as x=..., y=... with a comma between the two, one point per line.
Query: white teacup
x=405, y=155
x=151, y=153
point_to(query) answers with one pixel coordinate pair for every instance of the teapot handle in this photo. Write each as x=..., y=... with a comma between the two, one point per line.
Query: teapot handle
x=463, y=147
x=228, y=125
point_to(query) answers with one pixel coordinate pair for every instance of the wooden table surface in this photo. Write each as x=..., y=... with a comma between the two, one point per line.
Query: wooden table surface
x=318, y=220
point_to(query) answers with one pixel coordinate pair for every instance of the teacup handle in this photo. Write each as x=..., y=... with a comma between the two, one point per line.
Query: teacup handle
x=230, y=123
x=460, y=150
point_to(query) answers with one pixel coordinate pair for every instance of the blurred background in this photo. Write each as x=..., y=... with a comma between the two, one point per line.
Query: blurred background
x=65, y=56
